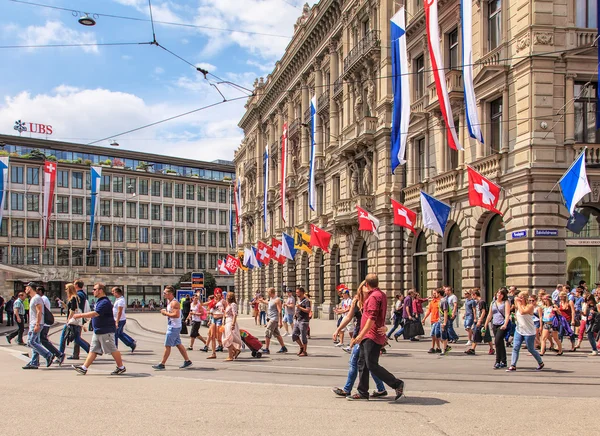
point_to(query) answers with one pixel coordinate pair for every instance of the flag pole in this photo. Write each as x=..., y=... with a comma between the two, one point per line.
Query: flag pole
x=568, y=169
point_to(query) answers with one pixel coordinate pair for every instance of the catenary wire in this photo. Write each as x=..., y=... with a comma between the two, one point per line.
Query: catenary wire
x=90, y=44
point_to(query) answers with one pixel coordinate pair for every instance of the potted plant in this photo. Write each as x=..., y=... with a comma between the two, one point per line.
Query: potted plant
x=118, y=163
x=52, y=158
x=87, y=162
x=170, y=171
x=79, y=160
x=106, y=163
x=142, y=166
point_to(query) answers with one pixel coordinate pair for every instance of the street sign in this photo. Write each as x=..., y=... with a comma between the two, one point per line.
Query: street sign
x=183, y=293
x=197, y=280
x=546, y=232
x=519, y=234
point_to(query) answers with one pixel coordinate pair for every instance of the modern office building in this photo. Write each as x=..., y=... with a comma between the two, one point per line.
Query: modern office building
x=159, y=217
x=535, y=76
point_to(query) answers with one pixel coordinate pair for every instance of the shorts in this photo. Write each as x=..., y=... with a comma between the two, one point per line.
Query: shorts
x=272, y=329
x=300, y=332
x=577, y=318
x=479, y=337
x=218, y=322
x=172, y=338
x=195, y=329
x=469, y=321
x=537, y=324
x=548, y=326
x=436, y=330
x=289, y=319
x=103, y=344
x=254, y=313
x=444, y=331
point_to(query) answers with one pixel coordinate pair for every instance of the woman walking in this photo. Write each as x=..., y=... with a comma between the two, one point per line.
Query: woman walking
x=566, y=309
x=397, y=315
x=231, y=337
x=549, y=328
x=525, y=330
x=592, y=325
x=499, y=315
x=72, y=325
x=217, y=312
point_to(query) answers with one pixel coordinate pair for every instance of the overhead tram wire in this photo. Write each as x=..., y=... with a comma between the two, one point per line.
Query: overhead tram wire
x=152, y=21
x=89, y=44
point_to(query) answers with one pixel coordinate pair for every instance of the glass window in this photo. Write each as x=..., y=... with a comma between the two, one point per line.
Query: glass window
x=156, y=231
x=33, y=176
x=179, y=233
x=118, y=259
x=191, y=214
x=212, y=261
x=144, y=235
x=48, y=256
x=77, y=205
x=105, y=258
x=212, y=239
x=16, y=174
x=155, y=188
x=212, y=195
x=105, y=183
x=453, y=55
x=62, y=230
x=117, y=184
x=201, y=193
x=586, y=14
x=118, y=209
x=494, y=256
x=496, y=125
x=167, y=236
x=17, y=228
x=62, y=178
x=156, y=212
x=131, y=258
x=191, y=261
x=190, y=237
x=178, y=190
x=77, y=256
x=419, y=75
x=420, y=265
x=62, y=204
x=168, y=211
x=143, y=188
x=453, y=259
x=4, y=228
x=118, y=234
x=212, y=216
x=33, y=203
x=223, y=218
x=94, y=234
x=585, y=113
x=202, y=216
x=494, y=23
x=168, y=260
x=33, y=255
x=156, y=259
x=131, y=185
x=168, y=189
x=190, y=192
x=223, y=195
x=17, y=255
x=143, y=259
x=179, y=260
x=179, y=214
x=131, y=210
x=104, y=207
x=201, y=261
x=33, y=228
x=77, y=179
x=63, y=257
x=363, y=263
x=222, y=240
x=143, y=211
x=131, y=234
x=201, y=238
x=105, y=232
x=16, y=201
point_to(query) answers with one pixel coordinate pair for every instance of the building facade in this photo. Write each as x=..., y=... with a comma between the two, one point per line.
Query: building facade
x=159, y=217
x=535, y=76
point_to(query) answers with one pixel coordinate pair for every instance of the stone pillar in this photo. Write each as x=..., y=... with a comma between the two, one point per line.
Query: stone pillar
x=479, y=147
x=434, y=261
x=505, y=117
x=304, y=132
x=570, y=114
x=463, y=138
x=318, y=121
x=333, y=109
x=410, y=162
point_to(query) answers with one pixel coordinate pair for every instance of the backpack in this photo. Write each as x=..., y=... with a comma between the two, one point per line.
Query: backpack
x=596, y=323
x=48, y=317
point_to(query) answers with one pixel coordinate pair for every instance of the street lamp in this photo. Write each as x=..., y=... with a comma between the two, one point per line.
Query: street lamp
x=86, y=20
x=114, y=143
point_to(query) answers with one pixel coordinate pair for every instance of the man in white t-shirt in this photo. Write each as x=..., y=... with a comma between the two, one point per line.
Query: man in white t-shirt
x=36, y=322
x=290, y=307
x=342, y=311
x=47, y=343
x=120, y=319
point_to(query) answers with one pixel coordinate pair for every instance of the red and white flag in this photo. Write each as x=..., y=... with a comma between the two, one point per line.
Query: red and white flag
x=264, y=253
x=231, y=263
x=222, y=268
x=404, y=217
x=284, y=147
x=49, y=185
x=319, y=238
x=367, y=222
x=278, y=251
x=482, y=191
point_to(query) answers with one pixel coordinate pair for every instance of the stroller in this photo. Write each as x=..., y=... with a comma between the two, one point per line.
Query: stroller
x=251, y=342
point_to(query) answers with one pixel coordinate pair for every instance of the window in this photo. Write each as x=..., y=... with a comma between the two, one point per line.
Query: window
x=212, y=261
x=452, y=155
x=420, y=265
x=131, y=234
x=62, y=181
x=494, y=23
x=201, y=216
x=131, y=210
x=363, y=263
x=453, y=260
x=33, y=255
x=131, y=185
x=419, y=160
x=212, y=216
x=191, y=214
x=494, y=256
x=212, y=195
x=77, y=256
x=585, y=113
x=178, y=190
x=17, y=228
x=48, y=256
x=77, y=180
x=201, y=193
x=105, y=232
x=168, y=236
x=118, y=233
x=77, y=205
x=4, y=255
x=104, y=207
x=16, y=174
x=143, y=259
x=143, y=235
x=201, y=238
x=156, y=231
x=156, y=212
x=118, y=258
x=117, y=184
x=17, y=255
x=156, y=188
x=156, y=259
x=51, y=232
x=179, y=260
x=222, y=239
x=63, y=257
x=496, y=125
x=131, y=258
x=4, y=228
x=222, y=217
x=33, y=176
x=191, y=237
x=33, y=203
x=190, y=192
x=33, y=228
x=212, y=239
x=118, y=209
x=222, y=195
x=143, y=211
x=143, y=189
x=105, y=258
x=16, y=201
x=419, y=75
x=179, y=236
x=62, y=204
x=94, y=234
x=453, y=54
x=105, y=183
x=201, y=261
x=179, y=214
x=586, y=14
x=77, y=231
x=168, y=212
x=191, y=261
x=62, y=230
x=168, y=260
x=168, y=189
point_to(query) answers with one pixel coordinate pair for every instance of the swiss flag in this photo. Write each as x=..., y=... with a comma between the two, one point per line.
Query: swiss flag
x=319, y=238
x=264, y=253
x=404, y=217
x=221, y=267
x=231, y=263
x=483, y=192
x=278, y=251
x=366, y=221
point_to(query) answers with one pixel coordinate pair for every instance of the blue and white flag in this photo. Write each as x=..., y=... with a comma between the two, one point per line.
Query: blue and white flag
x=311, y=170
x=401, y=89
x=95, y=178
x=574, y=183
x=466, y=12
x=3, y=184
x=247, y=256
x=253, y=260
x=435, y=213
x=287, y=244
x=266, y=187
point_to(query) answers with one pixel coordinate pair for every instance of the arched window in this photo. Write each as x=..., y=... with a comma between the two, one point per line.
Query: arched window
x=363, y=262
x=322, y=278
x=583, y=246
x=307, y=275
x=453, y=259
x=494, y=256
x=420, y=265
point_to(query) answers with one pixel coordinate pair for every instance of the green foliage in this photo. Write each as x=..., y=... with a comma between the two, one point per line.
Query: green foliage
x=209, y=281
x=87, y=162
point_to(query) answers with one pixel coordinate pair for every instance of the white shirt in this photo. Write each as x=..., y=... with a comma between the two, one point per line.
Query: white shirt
x=47, y=306
x=119, y=302
x=194, y=308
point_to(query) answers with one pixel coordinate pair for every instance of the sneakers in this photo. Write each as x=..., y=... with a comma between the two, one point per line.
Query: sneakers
x=414, y=339
x=470, y=352
x=447, y=350
x=340, y=392
x=593, y=353
x=159, y=367
x=61, y=359
x=133, y=347
x=219, y=348
x=205, y=349
x=438, y=351
x=491, y=352
x=339, y=344
x=377, y=394
x=7, y=339
x=336, y=342
x=468, y=343
x=502, y=364
x=73, y=358
x=540, y=367
x=282, y=350
x=80, y=369
x=285, y=334
x=50, y=361
x=347, y=349
x=118, y=371
x=265, y=351
x=357, y=397
x=190, y=348
x=511, y=368
x=186, y=364
x=431, y=351
x=399, y=391
x=30, y=366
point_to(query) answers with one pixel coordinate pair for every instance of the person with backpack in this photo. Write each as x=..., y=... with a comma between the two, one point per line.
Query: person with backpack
x=592, y=323
x=84, y=306
x=499, y=315
x=72, y=329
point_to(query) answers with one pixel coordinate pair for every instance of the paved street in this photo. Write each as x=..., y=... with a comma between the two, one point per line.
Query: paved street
x=454, y=394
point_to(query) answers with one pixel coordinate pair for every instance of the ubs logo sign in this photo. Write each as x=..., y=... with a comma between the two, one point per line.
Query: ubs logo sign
x=23, y=126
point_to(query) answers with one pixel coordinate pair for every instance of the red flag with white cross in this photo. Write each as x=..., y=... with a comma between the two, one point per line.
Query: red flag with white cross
x=366, y=221
x=278, y=251
x=404, y=217
x=264, y=253
x=319, y=238
x=482, y=191
x=231, y=263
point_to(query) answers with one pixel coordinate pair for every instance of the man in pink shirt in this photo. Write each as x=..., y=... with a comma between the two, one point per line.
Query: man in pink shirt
x=371, y=339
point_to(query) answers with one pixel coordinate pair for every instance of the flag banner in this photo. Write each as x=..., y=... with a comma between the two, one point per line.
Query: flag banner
x=284, y=148
x=598, y=44
x=404, y=217
x=437, y=65
x=222, y=268
x=240, y=259
x=482, y=191
x=247, y=256
x=95, y=178
x=319, y=238
x=288, y=246
x=238, y=210
x=278, y=251
x=400, y=88
x=266, y=187
x=574, y=183
x=49, y=185
x=302, y=241
x=253, y=260
x=311, y=169
x=264, y=253
x=435, y=213
x=366, y=221
x=466, y=13
x=3, y=184
x=231, y=263
x=577, y=222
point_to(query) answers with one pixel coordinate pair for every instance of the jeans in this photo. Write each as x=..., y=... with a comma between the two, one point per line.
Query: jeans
x=78, y=340
x=592, y=338
x=397, y=323
x=530, y=342
x=499, y=343
x=450, y=328
x=263, y=318
x=10, y=321
x=353, y=372
x=120, y=334
x=19, y=332
x=33, y=339
x=368, y=363
x=47, y=343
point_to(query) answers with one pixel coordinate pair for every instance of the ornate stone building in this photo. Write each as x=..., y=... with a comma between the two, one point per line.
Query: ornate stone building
x=535, y=80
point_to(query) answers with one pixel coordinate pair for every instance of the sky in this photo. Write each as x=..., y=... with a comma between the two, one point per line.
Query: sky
x=88, y=93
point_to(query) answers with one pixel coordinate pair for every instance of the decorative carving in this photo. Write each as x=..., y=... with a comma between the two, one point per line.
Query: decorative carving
x=543, y=38
x=523, y=43
x=302, y=18
x=367, y=181
x=354, y=179
x=595, y=191
x=358, y=103
x=371, y=96
x=333, y=46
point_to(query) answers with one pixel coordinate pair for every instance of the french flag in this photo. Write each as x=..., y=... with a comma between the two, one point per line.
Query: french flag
x=437, y=63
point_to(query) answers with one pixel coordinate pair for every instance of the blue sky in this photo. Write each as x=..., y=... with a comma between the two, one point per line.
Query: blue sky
x=93, y=92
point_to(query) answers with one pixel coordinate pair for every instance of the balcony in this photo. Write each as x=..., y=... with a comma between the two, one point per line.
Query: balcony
x=323, y=102
x=488, y=166
x=585, y=37
x=344, y=211
x=418, y=107
x=412, y=194
x=250, y=167
x=338, y=85
x=454, y=85
x=294, y=127
x=371, y=43
x=592, y=153
x=446, y=184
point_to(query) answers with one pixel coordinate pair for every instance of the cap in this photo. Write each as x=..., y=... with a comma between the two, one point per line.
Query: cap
x=346, y=291
x=32, y=284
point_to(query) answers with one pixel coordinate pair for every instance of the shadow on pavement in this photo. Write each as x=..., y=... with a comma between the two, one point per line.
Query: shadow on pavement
x=199, y=368
x=421, y=401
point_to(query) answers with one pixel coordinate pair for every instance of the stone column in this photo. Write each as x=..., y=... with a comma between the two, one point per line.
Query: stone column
x=505, y=117
x=410, y=162
x=479, y=147
x=319, y=123
x=463, y=138
x=333, y=110
x=570, y=114
x=304, y=132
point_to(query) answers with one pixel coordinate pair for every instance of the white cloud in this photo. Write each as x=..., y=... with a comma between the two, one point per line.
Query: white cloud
x=265, y=68
x=159, y=70
x=54, y=32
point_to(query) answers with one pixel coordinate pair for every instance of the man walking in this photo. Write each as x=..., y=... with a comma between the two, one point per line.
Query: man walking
x=302, y=319
x=452, y=312
x=371, y=340
x=83, y=299
x=48, y=345
x=1, y=309
x=290, y=304
x=172, y=339
x=341, y=312
x=36, y=322
x=407, y=315
x=19, y=311
x=275, y=323
x=8, y=306
x=103, y=338
x=121, y=319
